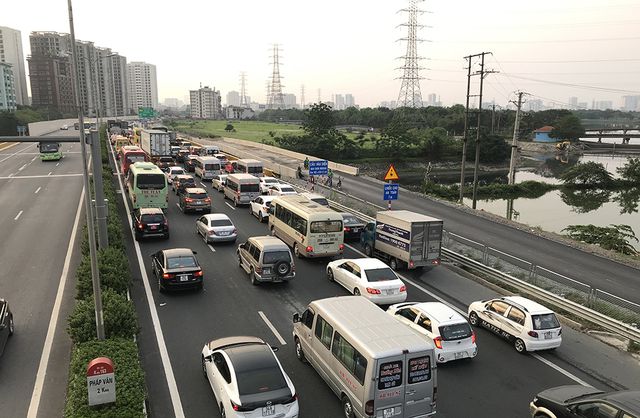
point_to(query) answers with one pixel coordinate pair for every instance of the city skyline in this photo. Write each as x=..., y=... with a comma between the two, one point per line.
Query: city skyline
x=338, y=53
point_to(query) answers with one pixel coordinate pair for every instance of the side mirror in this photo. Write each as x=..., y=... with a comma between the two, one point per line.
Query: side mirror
x=274, y=348
x=208, y=358
x=194, y=252
x=296, y=317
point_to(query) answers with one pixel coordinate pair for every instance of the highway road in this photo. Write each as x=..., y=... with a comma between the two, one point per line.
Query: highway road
x=38, y=208
x=499, y=382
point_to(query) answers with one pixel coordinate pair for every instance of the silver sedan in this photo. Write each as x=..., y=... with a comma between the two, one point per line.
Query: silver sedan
x=216, y=227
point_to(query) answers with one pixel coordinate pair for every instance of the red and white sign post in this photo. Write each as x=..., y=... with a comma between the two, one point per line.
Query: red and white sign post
x=101, y=381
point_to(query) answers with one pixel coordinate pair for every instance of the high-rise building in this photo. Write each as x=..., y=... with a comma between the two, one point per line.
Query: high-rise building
x=349, y=100
x=143, y=85
x=173, y=102
x=631, y=103
x=11, y=53
x=205, y=103
x=338, y=99
x=602, y=104
x=233, y=98
x=289, y=101
x=7, y=88
x=573, y=102
x=52, y=85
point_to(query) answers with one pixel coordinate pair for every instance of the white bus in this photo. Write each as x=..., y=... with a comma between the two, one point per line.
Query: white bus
x=147, y=186
x=207, y=167
x=250, y=166
x=376, y=366
x=241, y=188
x=310, y=229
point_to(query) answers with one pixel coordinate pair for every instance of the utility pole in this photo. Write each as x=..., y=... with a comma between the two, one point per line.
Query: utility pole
x=482, y=73
x=514, y=142
x=302, y=97
x=493, y=117
x=466, y=130
x=95, y=272
x=100, y=202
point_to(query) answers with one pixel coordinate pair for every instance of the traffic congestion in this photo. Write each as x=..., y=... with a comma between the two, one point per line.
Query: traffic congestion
x=367, y=259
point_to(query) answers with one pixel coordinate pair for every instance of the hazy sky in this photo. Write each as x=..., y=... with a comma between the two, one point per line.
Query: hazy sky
x=350, y=46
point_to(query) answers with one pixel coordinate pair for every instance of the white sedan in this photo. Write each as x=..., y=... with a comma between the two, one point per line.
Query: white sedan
x=260, y=207
x=172, y=172
x=368, y=277
x=266, y=182
x=247, y=379
x=216, y=227
x=218, y=181
x=281, y=190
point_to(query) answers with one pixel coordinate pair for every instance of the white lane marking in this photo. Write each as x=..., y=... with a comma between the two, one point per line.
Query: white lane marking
x=177, y=205
x=22, y=168
x=49, y=176
x=164, y=354
x=203, y=186
x=38, y=189
x=33, y=159
x=18, y=215
x=57, y=164
x=228, y=204
x=463, y=313
x=53, y=322
x=49, y=173
x=272, y=328
x=211, y=248
x=15, y=153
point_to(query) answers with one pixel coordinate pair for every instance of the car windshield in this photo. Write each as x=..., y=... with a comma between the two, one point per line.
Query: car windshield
x=154, y=218
x=455, y=331
x=253, y=170
x=221, y=222
x=380, y=275
x=249, y=188
x=198, y=195
x=350, y=220
x=210, y=167
x=187, y=182
x=177, y=171
x=321, y=201
x=286, y=189
x=269, y=181
x=166, y=159
x=326, y=226
x=182, y=261
x=135, y=158
x=260, y=380
x=272, y=257
x=150, y=181
x=545, y=321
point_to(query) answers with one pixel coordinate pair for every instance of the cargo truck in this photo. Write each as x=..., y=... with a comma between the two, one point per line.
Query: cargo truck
x=403, y=239
x=155, y=144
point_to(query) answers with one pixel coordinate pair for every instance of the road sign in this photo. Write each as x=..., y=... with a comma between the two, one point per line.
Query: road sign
x=391, y=191
x=146, y=112
x=318, y=168
x=392, y=174
x=101, y=381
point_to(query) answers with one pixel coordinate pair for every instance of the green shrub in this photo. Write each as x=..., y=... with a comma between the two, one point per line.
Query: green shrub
x=114, y=272
x=129, y=376
x=119, y=318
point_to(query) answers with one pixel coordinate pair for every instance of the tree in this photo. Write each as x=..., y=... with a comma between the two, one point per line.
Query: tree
x=613, y=237
x=589, y=173
x=229, y=127
x=493, y=149
x=631, y=170
x=318, y=120
x=567, y=127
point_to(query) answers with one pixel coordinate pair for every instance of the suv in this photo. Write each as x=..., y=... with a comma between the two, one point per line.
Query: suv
x=527, y=324
x=182, y=181
x=6, y=324
x=266, y=259
x=194, y=199
x=584, y=401
x=164, y=163
x=149, y=222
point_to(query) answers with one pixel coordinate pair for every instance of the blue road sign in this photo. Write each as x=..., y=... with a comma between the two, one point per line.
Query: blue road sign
x=318, y=168
x=391, y=191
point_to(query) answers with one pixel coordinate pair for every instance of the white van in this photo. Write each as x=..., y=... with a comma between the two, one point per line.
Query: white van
x=207, y=167
x=210, y=150
x=241, y=188
x=376, y=366
x=250, y=166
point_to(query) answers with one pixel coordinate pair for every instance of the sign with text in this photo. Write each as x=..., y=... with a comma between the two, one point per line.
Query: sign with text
x=390, y=191
x=146, y=112
x=318, y=168
x=101, y=381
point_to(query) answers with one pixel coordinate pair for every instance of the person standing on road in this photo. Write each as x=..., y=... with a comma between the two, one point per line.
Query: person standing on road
x=306, y=163
x=330, y=178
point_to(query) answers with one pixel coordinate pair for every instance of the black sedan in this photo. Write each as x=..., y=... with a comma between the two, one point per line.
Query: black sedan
x=6, y=324
x=583, y=401
x=190, y=163
x=182, y=154
x=149, y=222
x=176, y=268
x=353, y=227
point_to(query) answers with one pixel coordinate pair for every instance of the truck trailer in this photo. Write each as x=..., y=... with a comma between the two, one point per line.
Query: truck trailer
x=155, y=144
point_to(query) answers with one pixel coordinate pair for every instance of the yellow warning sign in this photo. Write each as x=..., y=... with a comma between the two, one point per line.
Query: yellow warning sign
x=391, y=174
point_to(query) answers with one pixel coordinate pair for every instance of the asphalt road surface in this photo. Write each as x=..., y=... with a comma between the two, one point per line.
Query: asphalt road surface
x=38, y=208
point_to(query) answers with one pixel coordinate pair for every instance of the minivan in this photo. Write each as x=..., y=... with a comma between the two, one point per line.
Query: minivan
x=206, y=167
x=241, y=188
x=375, y=365
x=266, y=259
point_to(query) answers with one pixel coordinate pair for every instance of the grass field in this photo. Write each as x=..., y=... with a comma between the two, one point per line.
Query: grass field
x=250, y=130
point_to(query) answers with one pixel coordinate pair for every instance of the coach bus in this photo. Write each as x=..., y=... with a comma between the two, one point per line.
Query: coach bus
x=50, y=151
x=147, y=186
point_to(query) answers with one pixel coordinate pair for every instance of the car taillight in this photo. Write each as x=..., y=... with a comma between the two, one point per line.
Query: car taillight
x=533, y=334
x=309, y=249
x=368, y=407
x=473, y=337
x=212, y=232
x=140, y=226
x=411, y=264
x=188, y=199
x=403, y=288
x=259, y=270
x=341, y=247
x=167, y=275
x=373, y=291
x=166, y=223
x=436, y=262
x=293, y=267
x=438, y=342
x=198, y=273
x=347, y=229
x=235, y=231
x=208, y=200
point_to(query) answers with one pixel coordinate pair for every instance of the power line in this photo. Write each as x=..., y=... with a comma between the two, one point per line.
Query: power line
x=573, y=61
x=545, y=41
x=582, y=86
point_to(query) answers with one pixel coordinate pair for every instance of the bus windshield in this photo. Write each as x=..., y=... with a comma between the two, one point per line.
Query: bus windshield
x=249, y=188
x=326, y=226
x=48, y=147
x=150, y=181
x=135, y=158
x=253, y=170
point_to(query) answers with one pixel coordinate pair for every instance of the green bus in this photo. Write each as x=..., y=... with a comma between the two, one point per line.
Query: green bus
x=50, y=151
x=147, y=186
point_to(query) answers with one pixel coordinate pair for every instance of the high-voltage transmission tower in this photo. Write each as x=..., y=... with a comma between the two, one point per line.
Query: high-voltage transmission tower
x=410, y=95
x=243, y=90
x=302, y=97
x=275, y=98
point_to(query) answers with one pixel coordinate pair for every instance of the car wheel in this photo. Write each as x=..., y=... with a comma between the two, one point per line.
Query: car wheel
x=260, y=216
x=356, y=292
x=393, y=263
x=330, y=275
x=11, y=326
x=222, y=413
x=474, y=320
x=347, y=408
x=520, y=346
x=166, y=236
x=239, y=261
x=367, y=250
x=299, y=352
x=273, y=230
x=296, y=250
x=252, y=276
x=161, y=288
x=137, y=236
x=204, y=367
x=235, y=202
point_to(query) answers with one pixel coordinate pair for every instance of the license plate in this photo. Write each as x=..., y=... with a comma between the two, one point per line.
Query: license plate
x=183, y=277
x=356, y=229
x=548, y=335
x=153, y=226
x=222, y=233
x=388, y=412
x=389, y=291
x=458, y=356
x=268, y=410
x=197, y=202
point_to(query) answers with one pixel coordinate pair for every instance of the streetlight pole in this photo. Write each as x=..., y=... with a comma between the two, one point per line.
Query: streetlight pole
x=95, y=272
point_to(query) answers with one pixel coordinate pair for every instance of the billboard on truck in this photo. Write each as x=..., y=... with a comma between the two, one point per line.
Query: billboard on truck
x=156, y=143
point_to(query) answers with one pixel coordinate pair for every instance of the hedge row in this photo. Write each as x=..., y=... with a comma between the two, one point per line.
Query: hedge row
x=119, y=315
